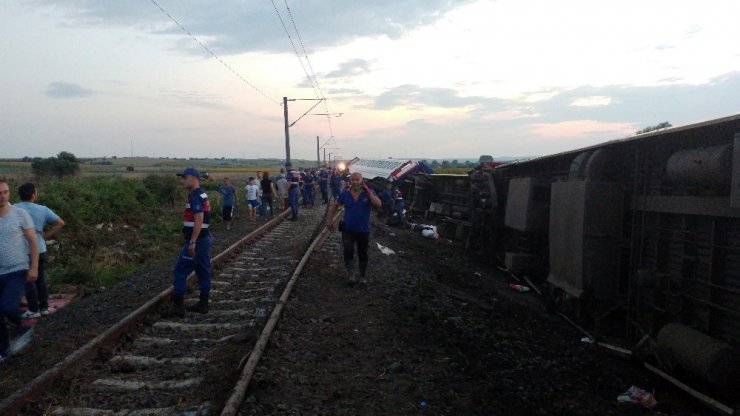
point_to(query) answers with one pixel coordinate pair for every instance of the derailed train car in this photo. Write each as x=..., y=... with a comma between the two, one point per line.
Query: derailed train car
x=640, y=237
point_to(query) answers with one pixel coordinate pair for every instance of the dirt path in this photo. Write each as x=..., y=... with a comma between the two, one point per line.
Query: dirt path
x=432, y=333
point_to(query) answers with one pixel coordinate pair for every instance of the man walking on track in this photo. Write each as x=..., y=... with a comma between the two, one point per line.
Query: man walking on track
x=228, y=202
x=294, y=179
x=357, y=200
x=37, y=294
x=19, y=262
x=195, y=254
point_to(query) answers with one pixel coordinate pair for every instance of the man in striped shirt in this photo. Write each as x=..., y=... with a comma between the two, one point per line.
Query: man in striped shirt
x=195, y=254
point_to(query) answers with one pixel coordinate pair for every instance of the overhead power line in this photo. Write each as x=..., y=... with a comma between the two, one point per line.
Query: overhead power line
x=313, y=73
x=207, y=49
x=312, y=78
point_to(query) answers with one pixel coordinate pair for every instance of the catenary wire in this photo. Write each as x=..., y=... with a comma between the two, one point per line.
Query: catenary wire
x=207, y=49
x=308, y=61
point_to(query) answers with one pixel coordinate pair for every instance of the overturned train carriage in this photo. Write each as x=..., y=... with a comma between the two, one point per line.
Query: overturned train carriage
x=639, y=236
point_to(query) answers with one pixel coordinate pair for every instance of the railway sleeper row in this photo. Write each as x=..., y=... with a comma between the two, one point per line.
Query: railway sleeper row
x=163, y=369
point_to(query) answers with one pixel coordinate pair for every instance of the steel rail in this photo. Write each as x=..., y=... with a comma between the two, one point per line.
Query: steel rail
x=233, y=403
x=26, y=394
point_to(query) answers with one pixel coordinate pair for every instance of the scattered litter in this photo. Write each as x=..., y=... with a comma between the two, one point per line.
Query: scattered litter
x=428, y=231
x=20, y=343
x=423, y=404
x=385, y=250
x=587, y=340
x=477, y=274
x=638, y=396
x=519, y=288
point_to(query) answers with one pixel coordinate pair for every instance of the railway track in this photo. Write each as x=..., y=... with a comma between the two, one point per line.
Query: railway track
x=151, y=364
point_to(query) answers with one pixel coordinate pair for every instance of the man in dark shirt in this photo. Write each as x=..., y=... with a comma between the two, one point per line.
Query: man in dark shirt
x=309, y=181
x=357, y=201
x=228, y=192
x=294, y=179
x=324, y=184
x=335, y=182
x=195, y=254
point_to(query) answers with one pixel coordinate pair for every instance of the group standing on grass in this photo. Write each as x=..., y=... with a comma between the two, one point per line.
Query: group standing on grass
x=22, y=263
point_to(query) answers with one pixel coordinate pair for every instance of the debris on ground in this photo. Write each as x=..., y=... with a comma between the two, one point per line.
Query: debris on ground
x=519, y=288
x=638, y=396
x=385, y=250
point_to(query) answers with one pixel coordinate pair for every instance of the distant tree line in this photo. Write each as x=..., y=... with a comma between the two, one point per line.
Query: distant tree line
x=451, y=164
x=63, y=164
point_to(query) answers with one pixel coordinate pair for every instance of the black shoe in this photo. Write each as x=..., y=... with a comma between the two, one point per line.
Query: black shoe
x=198, y=308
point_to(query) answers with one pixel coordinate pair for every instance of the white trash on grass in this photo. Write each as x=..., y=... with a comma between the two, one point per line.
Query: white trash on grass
x=385, y=250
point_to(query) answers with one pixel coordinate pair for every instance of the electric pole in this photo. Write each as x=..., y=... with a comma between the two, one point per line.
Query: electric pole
x=287, y=128
x=289, y=125
x=318, y=158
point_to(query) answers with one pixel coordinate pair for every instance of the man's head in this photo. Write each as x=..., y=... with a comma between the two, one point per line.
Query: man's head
x=190, y=177
x=4, y=193
x=227, y=181
x=27, y=192
x=355, y=180
x=282, y=170
x=289, y=166
x=388, y=185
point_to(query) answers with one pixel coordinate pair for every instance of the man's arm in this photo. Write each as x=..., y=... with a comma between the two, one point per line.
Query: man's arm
x=373, y=198
x=58, y=224
x=197, y=226
x=33, y=271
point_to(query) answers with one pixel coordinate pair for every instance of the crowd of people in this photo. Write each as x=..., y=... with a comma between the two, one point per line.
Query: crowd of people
x=25, y=227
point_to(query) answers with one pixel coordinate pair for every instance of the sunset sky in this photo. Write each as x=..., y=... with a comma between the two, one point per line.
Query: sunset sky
x=408, y=79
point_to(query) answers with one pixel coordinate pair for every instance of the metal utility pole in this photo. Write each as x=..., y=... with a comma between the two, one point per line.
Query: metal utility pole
x=289, y=125
x=318, y=158
x=287, y=130
x=325, y=156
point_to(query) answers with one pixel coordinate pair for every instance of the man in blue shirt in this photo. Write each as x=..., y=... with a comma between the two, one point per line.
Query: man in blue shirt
x=195, y=254
x=19, y=260
x=357, y=201
x=228, y=193
x=309, y=181
x=386, y=198
x=294, y=179
x=324, y=184
x=335, y=182
x=37, y=293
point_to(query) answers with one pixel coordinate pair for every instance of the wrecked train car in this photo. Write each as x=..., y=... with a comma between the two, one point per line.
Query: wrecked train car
x=639, y=236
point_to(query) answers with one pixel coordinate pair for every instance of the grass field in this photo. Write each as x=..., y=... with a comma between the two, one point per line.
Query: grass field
x=140, y=167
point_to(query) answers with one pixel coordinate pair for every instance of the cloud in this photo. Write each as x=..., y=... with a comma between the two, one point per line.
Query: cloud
x=192, y=99
x=416, y=97
x=233, y=26
x=350, y=68
x=592, y=101
x=575, y=129
x=61, y=89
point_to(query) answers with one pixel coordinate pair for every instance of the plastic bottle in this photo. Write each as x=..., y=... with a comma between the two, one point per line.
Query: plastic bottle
x=519, y=288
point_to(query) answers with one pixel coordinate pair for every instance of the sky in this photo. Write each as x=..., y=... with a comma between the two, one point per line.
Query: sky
x=431, y=79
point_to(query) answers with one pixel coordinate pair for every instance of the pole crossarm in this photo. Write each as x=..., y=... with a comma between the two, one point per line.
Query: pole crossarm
x=319, y=100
